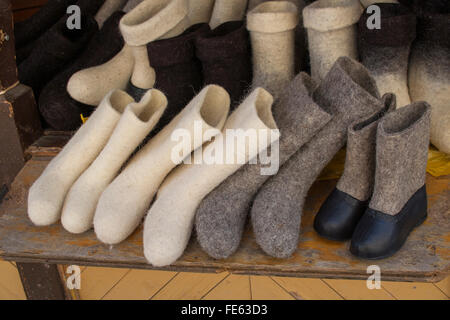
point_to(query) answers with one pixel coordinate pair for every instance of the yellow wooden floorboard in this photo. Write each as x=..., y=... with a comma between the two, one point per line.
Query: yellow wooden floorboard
x=357, y=290
x=414, y=291
x=307, y=289
x=97, y=282
x=444, y=285
x=234, y=287
x=139, y=285
x=10, y=280
x=185, y=286
x=264, y=288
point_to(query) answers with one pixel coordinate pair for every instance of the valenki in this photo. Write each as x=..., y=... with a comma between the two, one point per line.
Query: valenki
x=47, y=194
x=271, y=25
x=124, y=202
x=168, y=225
x=332, y=31
x=200, y=11
x=136, y=122
x=107, y=10
x=351, y=93
x=227, y=10
x=221, y=216
x=385, y=51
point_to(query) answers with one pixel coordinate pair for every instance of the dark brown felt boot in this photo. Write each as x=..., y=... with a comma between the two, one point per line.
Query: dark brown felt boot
x=399, y=201
x=351, y=93
x=58, y=109
x=341, y=211
x=226, y=59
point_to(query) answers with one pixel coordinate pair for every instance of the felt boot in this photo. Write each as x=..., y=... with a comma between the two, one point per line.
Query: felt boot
x=225, y=55
x=332, y=31
x=399, y=201
x=131, y=4
x=47, y=194
x=221, y=216
x=227, y=10
x=178, y=71
x=350, y=93
x=58, y=109
x=429, y=69
x=124, y=202
x=341, y=211
x=108, y=8
x=53, y=51
x=368, y=3
x=200, y=11
x=137, y=121
x=385, y=51
x=271, y=26
x=168, y=225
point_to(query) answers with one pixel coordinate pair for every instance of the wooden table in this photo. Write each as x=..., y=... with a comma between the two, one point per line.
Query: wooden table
x=425, y=256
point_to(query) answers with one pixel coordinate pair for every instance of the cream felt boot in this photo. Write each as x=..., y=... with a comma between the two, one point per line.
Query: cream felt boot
x=124, y=202
x=47, y=194
x=332, y=31
x=107, y=9
x=168, y=225
x=200, y=11
x=271, y=25
x=134, y=125
x=131, y=4
x=367, y=3
x=227, y=10
x=429, y=72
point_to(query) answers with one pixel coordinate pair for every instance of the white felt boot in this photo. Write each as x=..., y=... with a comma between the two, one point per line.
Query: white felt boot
x=125, y=201
x=47, y=194
x=332, y=32
x=135, y=124
x=227, y=10
x=271, y=25
x=200, y=11
x=168, y=225
x=367, y=3
x=107, y=9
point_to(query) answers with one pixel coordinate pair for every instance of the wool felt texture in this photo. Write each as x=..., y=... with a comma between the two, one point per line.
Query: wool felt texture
x=136, y=122
x=221, y=216
x=200, y=11
x=271, y=25
x=58, y=109
x=225, y=55
x=332, y=33
x=401, y=157
x=178, y=71
x=53, y=51
x=131, y=4
x=124, y=202
x=46, y=195
x=358, y=177
x=107, y=9
x=351, y=93
x=169, y=222
x=385, y=51
x=429, y=70
x=227, y=10
x=368, y=3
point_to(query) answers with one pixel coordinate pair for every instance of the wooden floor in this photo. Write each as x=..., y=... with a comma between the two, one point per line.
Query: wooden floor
x=107, y=283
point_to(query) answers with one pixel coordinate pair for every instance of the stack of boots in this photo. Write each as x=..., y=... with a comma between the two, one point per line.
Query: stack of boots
x=169, y=222
x=350, y=93
x=58, y=109
x=221, y=216
x=123, y=204
x=53, y=51
x=429, y=70
x=137, y=121
x=399, y=200
x=332, y=33
x=227, y=10
x=385, y=51
x=271, y=25
x=225, y=55
x=344, y=207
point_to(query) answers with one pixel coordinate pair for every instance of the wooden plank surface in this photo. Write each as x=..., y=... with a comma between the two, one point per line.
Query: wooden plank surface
x=425, y=256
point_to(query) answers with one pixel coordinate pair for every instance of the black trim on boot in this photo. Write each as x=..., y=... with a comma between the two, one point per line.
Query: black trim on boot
x=135, y=92
x=379, y=235
x=339, y=215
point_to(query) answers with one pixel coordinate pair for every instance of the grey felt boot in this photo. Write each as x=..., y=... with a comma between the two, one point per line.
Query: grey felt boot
x=351, y=93
x=341, y=211
x=221, y=216
x=399, y=201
